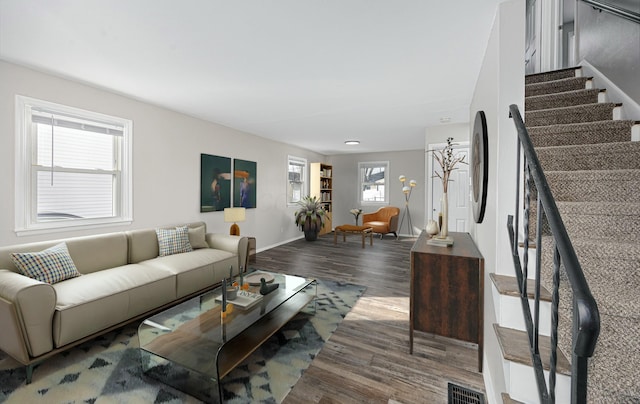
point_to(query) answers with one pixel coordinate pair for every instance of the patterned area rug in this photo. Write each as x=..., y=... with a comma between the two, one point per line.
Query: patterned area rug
x=107, y=369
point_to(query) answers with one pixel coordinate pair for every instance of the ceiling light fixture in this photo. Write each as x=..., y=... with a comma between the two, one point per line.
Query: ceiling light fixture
x=351, y=142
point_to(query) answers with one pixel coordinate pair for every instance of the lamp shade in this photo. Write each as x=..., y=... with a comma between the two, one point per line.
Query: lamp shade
x=233, y=215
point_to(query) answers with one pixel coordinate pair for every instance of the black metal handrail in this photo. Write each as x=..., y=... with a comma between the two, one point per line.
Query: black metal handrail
x=615, y=10
x=586, y=317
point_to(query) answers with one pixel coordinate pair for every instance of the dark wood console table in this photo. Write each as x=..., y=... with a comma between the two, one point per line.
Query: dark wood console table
x=447, y=290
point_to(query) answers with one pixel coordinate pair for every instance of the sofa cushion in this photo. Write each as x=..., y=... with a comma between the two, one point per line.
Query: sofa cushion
x=197, y=237
x=195, y=270
x=51, y=265
x=173, y=241
x=98, y=300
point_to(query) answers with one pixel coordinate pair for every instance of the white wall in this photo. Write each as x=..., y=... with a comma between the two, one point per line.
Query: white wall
x=166, y=160
x=612, y=45
x=500, y=83
x=345, y=184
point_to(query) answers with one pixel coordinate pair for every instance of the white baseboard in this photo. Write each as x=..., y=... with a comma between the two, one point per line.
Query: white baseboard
x=278, y=244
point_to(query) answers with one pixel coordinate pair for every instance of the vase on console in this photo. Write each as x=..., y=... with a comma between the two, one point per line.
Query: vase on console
x=444, y=229
x=448, y=159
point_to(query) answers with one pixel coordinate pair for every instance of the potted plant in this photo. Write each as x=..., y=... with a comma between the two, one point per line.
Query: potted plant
x=310, y=217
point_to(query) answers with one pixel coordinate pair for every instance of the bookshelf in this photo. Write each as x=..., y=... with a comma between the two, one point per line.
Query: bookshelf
x=322, y=188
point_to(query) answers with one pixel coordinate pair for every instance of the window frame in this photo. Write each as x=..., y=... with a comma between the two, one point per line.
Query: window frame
x=26, y=222
x=367, y=164
x=304, y=179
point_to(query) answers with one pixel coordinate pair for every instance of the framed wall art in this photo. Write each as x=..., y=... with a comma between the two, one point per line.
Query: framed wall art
x=215, y=183
x=245, y=181
x=479, y=166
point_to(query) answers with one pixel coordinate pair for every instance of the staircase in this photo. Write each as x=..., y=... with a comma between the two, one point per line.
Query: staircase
x=593, y=169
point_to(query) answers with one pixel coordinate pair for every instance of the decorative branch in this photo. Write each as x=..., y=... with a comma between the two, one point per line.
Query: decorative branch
x=448, y=159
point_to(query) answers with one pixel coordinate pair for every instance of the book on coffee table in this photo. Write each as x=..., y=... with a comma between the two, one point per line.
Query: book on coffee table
x=244, y=299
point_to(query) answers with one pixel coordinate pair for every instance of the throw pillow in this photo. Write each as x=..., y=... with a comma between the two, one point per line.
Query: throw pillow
x=173, y=241
x=51, y=265
x=197, y=237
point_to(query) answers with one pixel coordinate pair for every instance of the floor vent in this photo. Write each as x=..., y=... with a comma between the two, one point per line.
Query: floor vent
x=463, y=395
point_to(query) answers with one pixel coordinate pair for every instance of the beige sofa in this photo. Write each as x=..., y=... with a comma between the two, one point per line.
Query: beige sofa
x=122, y=279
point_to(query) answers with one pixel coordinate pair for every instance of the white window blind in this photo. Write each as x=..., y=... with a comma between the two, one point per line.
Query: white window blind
x=372, y=180
x=74, y=165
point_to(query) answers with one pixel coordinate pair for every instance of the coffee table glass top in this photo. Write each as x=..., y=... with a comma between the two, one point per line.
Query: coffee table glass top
x=192, y=333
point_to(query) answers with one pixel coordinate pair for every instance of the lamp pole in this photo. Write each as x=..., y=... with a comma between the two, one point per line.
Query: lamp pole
x=406, y=190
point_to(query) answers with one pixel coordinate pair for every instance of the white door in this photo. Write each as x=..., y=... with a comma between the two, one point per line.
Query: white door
x=458, y=190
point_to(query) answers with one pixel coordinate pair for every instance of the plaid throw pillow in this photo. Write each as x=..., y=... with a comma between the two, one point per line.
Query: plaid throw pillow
x=173, y=241
x=51, y=265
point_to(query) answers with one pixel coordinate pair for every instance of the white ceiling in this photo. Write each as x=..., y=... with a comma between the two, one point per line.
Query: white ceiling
x=310, y=73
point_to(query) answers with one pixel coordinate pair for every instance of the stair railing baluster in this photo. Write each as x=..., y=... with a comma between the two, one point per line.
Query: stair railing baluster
x=586, y=317
x=555, y=300
x=518, y=196
x=536, y=302
x=525, y=222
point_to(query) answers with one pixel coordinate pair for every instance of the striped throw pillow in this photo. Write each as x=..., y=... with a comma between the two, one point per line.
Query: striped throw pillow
x=173, y=241
x=51, y=265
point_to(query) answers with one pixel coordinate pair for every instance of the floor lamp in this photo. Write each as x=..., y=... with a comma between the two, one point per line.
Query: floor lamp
x=406, y=190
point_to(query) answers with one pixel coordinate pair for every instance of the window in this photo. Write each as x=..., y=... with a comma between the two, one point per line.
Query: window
x=296, y=179
x=73, y=167
x=371, y=180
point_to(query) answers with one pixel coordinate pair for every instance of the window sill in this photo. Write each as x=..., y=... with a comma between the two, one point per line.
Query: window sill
x=59, y=227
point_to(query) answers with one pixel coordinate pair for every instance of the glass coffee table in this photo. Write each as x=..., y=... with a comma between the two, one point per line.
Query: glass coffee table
x=191, y=346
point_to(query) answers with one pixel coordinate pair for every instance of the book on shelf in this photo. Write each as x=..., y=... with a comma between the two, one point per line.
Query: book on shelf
x=244, y=299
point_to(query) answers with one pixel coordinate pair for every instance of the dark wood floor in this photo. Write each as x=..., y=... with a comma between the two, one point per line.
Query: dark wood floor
x=367, y=359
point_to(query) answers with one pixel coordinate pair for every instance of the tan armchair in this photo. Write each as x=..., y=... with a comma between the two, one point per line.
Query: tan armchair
x=383, y=221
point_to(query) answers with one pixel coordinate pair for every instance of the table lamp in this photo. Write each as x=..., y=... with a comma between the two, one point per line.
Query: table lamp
x=234, y=215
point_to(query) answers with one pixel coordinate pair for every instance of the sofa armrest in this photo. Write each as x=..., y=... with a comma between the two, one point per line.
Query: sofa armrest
x=234, y=244
x=26, y=313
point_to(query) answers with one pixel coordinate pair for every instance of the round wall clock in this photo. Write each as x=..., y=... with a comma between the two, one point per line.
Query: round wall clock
x=479, y=166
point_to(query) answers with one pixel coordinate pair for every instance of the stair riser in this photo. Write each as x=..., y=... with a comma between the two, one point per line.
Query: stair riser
x=554, y=75
x=553, y=87
x=511, y=314
x=580, y=134
x=602, y=227
x=614, y=157
x=522, y=384
x=591, y=113
x=582, y=188
x=561, y=100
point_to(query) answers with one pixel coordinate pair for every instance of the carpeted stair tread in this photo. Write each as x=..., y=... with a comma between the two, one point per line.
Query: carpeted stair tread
x=582, y=133
x=552, y=75
x=601, y=220
x=556, y=86
x=594, y=185
x=613, y=370
x=564, y=99
x=581, y=113
x=612, y=269
x=600, y=156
